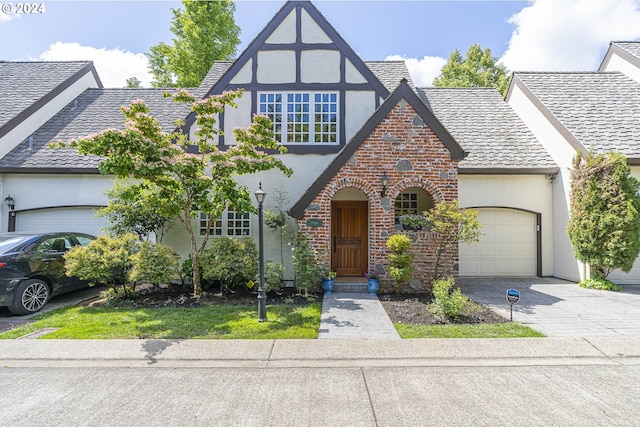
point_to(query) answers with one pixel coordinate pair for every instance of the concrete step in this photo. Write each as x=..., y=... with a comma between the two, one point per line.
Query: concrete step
x=350, y=287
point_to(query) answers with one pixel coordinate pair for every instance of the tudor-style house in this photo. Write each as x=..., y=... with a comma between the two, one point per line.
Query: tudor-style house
x=346, y=123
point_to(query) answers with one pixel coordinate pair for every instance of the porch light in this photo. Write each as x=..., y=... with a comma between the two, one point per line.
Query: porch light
x=262, y=295
x=385, y=181
x=10, y=202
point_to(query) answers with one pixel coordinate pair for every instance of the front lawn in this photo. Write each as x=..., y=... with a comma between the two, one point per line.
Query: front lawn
x=204, y=322
x=481, y=330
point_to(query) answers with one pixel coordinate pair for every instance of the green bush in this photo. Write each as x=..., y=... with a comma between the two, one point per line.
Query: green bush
x=599, y=283
x=231, y=262
x=448, y=302
x=106, y=260
x=155, y=264
x=306, y=269
x=400, y=262
x=273, y=274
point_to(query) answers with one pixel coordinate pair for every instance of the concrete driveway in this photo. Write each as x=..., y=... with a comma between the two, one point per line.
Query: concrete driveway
x=559, y=308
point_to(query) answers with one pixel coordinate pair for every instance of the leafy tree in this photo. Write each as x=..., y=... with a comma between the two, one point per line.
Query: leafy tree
x=133, y=208
x=452, y=225
x=205, y=31
x=604, y=227
x=231, y=262
x=306, y=269
x=400, y=261
x=133, y=82
x=182, y=182
x=478, y=69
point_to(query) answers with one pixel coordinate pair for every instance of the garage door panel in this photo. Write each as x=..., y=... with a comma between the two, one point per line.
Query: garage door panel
x=62, y=219
x=507, y=247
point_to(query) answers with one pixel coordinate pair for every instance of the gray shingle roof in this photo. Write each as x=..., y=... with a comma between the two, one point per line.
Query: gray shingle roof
x=486, y=126
x=632, y=47
x=390, y=73
x=217, y=70
x=601, y=110
x=96, y=110
x=24, y=83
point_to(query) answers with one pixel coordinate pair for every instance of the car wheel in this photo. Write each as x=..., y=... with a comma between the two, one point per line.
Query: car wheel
x=30, y=297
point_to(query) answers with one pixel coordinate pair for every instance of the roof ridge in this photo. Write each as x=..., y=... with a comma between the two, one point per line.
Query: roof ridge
x=73, y=61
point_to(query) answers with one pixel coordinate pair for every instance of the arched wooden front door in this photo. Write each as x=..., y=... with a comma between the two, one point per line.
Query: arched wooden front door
x=349, y=237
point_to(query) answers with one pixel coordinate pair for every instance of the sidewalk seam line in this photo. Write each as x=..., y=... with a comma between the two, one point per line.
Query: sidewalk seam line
x=366, y=387
x=601, y=352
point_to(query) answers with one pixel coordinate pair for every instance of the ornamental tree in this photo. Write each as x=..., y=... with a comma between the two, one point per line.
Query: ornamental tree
x=604, y=226
x=182, y=176
x=452, y=226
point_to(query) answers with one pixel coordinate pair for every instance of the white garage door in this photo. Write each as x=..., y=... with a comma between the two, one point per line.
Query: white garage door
x=62, y=219
x=506, y=248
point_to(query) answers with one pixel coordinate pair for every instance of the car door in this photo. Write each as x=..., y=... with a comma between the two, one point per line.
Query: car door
x=47, y=260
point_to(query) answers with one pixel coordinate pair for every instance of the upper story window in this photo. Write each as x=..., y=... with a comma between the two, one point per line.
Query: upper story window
x=302, y=117
x=232, y=224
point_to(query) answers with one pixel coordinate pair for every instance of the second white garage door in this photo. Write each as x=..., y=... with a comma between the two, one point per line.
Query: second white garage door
x=506, y=248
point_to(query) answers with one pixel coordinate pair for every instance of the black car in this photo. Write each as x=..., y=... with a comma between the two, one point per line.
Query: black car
x=32, y=268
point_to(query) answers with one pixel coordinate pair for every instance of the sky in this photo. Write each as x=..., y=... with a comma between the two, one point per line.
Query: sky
x=537, y=35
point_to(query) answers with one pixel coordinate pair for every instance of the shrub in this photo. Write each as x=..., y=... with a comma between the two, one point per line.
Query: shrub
x=231, y=262
x=400, y=262
x=448, y=302
x=306, y=269
x=599, y=283
x=106, y=260
x=155, y=264
x=273, y=274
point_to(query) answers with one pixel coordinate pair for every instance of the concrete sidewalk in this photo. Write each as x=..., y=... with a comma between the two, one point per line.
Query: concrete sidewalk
x=327, y=353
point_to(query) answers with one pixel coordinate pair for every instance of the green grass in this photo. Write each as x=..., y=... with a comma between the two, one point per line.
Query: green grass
x=208, y=322
x=482, y=330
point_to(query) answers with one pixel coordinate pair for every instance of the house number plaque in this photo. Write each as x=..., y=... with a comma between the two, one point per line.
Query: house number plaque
x=314, y=222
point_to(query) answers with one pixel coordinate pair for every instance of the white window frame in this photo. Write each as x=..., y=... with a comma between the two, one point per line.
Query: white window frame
x=222, y=226
x=276, y=105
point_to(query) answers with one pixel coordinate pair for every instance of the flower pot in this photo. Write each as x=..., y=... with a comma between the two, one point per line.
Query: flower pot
x=373, y=286
x=327, y=285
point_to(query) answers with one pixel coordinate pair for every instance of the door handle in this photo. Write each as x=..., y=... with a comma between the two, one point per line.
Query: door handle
x=335, y=244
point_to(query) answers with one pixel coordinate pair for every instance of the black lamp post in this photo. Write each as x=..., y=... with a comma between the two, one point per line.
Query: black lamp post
x=385, y=181
x=11, y=204
x=262, y=295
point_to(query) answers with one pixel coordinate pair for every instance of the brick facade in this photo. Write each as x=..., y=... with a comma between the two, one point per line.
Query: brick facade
x=412, y=156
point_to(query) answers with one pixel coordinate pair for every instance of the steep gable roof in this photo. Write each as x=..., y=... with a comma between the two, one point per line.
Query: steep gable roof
x=27, y=86
x=485, y=126
x=630, y=51
x=594, y=111
x=92, y=111
x=260, y=42
x=403, y=91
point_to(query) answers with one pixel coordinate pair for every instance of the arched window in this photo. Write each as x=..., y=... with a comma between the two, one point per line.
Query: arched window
x=412, y=201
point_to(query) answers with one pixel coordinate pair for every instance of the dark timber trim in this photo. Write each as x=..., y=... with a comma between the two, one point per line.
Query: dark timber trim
x=507, y=171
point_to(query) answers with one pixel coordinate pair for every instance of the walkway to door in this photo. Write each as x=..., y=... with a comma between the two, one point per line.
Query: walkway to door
x=559, y=308
x=355, y=315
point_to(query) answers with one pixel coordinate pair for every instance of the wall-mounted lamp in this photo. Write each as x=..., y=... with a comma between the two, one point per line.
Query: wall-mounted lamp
x=552, y=177
x=10, y=202
x=385, y=181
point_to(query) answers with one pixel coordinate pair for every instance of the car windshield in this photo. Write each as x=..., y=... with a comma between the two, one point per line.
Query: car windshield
x=9, y=242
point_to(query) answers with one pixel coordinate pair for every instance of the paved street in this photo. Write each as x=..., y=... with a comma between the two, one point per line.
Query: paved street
x=559, y=308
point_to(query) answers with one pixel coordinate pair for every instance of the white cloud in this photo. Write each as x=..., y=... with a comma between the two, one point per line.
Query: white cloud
x=422, y=71
x=569, y=35
x=114, y=66
x=6, y=17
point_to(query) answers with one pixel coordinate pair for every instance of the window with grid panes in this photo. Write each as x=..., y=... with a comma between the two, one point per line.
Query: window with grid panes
x=232, y=224
x=308, y=118
x=406, y=204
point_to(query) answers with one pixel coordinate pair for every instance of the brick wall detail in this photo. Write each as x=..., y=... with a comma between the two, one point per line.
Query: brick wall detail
x=412, y=156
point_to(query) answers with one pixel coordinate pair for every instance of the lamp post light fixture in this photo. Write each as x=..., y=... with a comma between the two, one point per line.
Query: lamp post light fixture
x=385, y=181
x=262, y=295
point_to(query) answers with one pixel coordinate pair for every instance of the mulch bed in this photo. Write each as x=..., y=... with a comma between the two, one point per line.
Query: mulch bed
x=405, y=308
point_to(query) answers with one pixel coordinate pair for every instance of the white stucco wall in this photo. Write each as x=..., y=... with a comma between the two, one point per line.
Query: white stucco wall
x=565, y=264
x=311, y=31
x=352, y=75
x=42, y=191
x=276, y=66
x=616, y=63
x=525, y=192
x=360, y=106
x=286, y=31
x=245, y=74
x=36, y=120
x=320, y=66
x=237, y=117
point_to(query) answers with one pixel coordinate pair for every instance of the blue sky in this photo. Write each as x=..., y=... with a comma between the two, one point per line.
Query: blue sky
x=527, y=35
